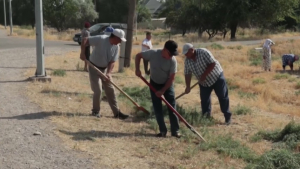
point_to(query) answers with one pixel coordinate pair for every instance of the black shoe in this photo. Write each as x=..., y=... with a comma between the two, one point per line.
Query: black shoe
x=177, y=135
x=96, y=113
x=228, y=121
x=120, y=115
x=162, y=134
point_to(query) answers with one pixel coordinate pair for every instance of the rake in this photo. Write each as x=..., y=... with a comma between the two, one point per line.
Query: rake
x=184, y=92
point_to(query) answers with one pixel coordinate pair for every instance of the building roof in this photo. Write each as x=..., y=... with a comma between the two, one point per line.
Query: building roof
x=153, y=6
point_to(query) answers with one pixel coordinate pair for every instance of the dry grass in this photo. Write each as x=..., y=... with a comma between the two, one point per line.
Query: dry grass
x=49, y=33
x=129, y=144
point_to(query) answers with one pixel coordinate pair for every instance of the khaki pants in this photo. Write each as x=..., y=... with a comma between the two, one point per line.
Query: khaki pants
x=96, y=86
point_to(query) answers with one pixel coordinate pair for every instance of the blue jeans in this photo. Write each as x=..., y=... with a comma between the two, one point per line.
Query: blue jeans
x=221, y=90
x=157, y=105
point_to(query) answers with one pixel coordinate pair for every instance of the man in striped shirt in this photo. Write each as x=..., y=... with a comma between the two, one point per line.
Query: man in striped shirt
x=289, y=59
x=209, y=73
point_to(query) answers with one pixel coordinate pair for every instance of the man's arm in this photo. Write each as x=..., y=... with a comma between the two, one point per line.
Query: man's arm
x=110, y=67
x=84, y=43
x=209, y=68
x=169, y=83
x=138, y=58
x=188, y=78
x=146, y=46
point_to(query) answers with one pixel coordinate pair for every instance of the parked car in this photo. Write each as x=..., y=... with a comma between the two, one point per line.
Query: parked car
x=98, y=29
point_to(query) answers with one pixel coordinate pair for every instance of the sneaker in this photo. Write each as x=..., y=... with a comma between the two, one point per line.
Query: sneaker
x=120, y=115
x=177, y=135
x=162, y=134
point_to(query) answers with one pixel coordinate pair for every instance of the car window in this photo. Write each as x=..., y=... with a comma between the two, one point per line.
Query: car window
x=95, y=28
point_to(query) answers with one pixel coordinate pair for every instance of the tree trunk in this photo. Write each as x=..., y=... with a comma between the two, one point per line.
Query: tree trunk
x=233, y=28
x=129, y=36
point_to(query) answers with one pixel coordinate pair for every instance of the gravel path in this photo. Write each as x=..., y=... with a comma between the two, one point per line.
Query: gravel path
x=20, y=119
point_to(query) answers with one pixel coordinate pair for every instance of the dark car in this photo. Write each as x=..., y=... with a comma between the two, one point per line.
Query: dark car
x=99, y=29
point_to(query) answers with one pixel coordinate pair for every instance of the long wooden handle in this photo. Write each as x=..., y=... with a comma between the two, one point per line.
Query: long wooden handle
x=184, y=92
x=103, y=76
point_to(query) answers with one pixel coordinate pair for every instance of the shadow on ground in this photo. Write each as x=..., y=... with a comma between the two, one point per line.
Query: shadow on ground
x=15, y=81
x=43, y=115
x=91, y=135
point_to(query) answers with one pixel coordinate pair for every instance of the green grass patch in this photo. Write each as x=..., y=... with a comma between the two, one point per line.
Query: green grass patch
x=297, y=86
x=59, y=72
x=225, y=145
x=179, y=80
x=258, y=81
x=281, y=76
x=255, y=58
x=292, y=79
x=216, y=46
x=297, y=93
x=246, y=95
x=242, y=110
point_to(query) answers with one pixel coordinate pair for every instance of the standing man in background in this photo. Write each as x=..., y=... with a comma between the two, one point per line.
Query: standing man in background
x=146, y=45
x=85, y=33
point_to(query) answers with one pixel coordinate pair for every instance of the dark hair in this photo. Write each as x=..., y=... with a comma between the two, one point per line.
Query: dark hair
x=148, y=33
x=112, y=35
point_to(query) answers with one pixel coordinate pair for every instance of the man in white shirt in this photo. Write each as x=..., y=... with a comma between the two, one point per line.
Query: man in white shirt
x=146, y=45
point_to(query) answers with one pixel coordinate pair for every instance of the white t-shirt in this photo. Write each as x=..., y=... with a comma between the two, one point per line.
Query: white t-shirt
x=148, y=43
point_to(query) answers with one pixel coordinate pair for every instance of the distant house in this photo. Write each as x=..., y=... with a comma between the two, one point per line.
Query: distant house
x=154, y=6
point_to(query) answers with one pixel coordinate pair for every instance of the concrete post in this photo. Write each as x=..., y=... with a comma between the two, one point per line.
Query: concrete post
x=10, y=18
x=4, y=13
x=40, y=71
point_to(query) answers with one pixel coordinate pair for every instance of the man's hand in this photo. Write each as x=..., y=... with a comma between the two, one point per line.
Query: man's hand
x=108, y=75
x=187, y=90
x=202, y=78
x=82, y=56
x=138, y=73
x=159, y=93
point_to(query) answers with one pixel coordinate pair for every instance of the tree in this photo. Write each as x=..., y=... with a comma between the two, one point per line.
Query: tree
x=143, y=13
x=64, y=14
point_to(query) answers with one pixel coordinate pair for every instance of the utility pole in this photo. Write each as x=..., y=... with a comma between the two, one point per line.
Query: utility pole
x=10, y=18
x=4, y=13
x=129, y=37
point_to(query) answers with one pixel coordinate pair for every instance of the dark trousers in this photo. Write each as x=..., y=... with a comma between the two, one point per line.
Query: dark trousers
x=221, y=90
x=146, y=63
x=87, y=52
x=157, y=105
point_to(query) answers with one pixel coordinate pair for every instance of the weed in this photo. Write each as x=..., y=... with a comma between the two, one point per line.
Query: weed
x=241, y=110
x=283, y=159
x=281, y=76
x=55, y=93
x=227, y=146
x=79, y=67
x=65, y=61
x=59, y=72
x=246, y=95
x=216, y=46
x=258, y=81
x=153, y=124
x=239, y=47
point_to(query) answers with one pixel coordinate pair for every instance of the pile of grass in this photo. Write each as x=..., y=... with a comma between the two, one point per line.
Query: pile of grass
x=275, y=159
x=289, y=137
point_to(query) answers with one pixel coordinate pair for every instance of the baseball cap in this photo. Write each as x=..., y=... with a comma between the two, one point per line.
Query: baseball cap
x=120, y=34
x=171, y=46
x=109, y=29
x=186, y=48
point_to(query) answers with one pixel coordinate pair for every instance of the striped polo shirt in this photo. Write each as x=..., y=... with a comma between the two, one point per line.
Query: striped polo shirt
x=203, y=58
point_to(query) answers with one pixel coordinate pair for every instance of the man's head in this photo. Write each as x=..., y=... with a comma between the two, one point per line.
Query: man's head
x=188, y=50
x=117, y=36
x=87, y=25
x=148, y=35
x=170, y=49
